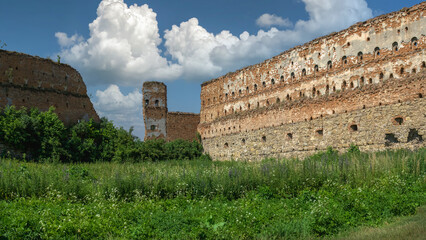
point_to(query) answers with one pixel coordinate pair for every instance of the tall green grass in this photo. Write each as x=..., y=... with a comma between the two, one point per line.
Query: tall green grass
x=199, y=199
x=206, y=179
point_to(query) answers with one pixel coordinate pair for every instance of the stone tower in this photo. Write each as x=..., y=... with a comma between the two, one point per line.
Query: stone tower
x=154, y=104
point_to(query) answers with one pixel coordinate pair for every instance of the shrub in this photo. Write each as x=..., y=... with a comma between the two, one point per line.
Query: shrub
x=42, y=136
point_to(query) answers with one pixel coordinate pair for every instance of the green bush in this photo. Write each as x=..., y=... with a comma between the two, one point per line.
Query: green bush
x=41, y=136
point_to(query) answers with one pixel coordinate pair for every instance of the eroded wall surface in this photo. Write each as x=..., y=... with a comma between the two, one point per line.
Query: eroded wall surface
x=28, y=81
x=313, y=94
x=182, y=126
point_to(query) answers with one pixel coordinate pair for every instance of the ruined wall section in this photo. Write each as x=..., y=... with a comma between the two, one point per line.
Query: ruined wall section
x=28, y=81
x=159, y=122
x=396, y=126
x=182, y=125
x=368, y=67
x=154, y=104
x=388, y=46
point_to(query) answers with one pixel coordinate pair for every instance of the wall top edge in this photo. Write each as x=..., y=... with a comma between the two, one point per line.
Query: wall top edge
x=418, y=7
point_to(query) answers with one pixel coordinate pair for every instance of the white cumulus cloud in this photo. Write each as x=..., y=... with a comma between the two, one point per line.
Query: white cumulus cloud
x=124, y=110
x=267, y=20
x=65, y=41
x=124, y=47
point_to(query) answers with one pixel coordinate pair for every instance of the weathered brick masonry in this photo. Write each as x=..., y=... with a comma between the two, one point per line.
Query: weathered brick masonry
x=364, y=85
x=28, y=81
x=161, y=124
x=182, y=125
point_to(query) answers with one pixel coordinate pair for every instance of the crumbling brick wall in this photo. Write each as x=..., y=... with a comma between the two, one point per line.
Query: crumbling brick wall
x=28, y=81
x=182, y=125
x=360, y=71
x=161, y=124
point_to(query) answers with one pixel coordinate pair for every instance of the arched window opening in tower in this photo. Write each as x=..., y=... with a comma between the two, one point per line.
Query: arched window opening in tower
x=360, y=56
x=376, y=51
x=344, y=60
x=264, y=84
x=329, y=65
x=414, y=42
x=395, y=46
x=255, y=87
x=157, y=103
x=278, y=100
x=272, y=81
x=304, y=72
x=282, y=78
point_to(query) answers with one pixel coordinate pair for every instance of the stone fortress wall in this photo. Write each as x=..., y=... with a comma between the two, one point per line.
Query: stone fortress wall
x=28, y=81
x=364, y=85
x=159, y=122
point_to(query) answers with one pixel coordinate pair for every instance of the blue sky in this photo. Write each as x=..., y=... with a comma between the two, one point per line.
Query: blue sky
x=182, y=43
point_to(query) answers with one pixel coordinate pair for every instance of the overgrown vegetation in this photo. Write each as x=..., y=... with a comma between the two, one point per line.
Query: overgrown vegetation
x=41, y=136
x=200, y=199
x=2, y=44
x=96, y=181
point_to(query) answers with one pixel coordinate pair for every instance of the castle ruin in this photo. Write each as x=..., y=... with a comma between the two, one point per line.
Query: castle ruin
x=364, y=86
x=159, y=122
x=28, y=81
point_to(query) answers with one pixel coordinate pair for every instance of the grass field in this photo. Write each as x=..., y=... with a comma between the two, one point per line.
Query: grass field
x=325, y=195
x=407, y=227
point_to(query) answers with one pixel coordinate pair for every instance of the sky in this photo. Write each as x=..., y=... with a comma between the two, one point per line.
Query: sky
x=116, y=45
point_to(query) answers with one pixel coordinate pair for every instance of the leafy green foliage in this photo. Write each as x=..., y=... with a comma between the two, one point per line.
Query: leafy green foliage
x=2, y=44
x=353, y=149
x=199, y=199
x=42, y=136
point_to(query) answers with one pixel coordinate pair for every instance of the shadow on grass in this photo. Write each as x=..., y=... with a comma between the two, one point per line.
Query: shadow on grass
x=409, y=227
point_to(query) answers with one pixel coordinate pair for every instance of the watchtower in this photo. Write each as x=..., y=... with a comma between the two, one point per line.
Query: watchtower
x=154, y=104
